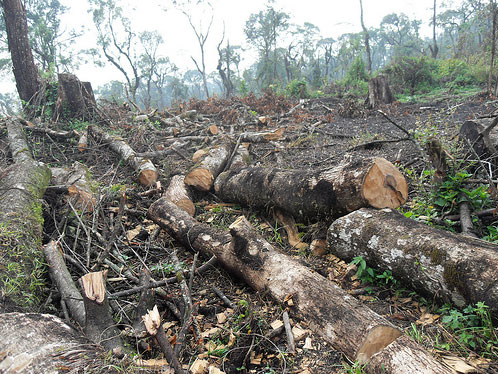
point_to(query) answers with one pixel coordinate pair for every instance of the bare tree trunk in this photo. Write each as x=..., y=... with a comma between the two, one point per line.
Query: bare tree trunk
x=25, y=71
x=366, y=36
x=434, y=48
x=493, y=46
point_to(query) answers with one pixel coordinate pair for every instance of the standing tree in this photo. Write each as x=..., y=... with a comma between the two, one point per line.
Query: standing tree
x=262, y=31
x=149, y=61
x=494, y=11
x=434, y=48
x=117, y=45
x=225, y=56
x=28, y=81
x=366, y=38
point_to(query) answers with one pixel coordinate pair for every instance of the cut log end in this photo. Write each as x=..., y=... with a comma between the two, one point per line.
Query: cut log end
x=93, y=285
x=384, y=186
x=186, y=205
x=201, y=179
x=147, y=177
x=377, y=339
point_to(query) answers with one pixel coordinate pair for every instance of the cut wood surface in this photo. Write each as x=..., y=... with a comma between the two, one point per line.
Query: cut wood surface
x=99, y=326
x=438, y=263
x=145, y=169
x=344, y=322
x=22, y=187
x=32, y=343
x=209, y=165
x=311, y=194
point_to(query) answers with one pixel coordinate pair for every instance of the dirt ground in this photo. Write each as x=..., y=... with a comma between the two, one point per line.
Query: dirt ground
x=319, y=133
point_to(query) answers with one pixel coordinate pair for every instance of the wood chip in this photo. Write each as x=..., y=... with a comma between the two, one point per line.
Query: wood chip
x=276, y=324
x=307, y=344
x=298, y=333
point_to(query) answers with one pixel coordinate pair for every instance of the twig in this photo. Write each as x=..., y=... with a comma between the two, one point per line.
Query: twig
x=168, y=351
x=288, y=331
x=222, y=296
x=375, y=142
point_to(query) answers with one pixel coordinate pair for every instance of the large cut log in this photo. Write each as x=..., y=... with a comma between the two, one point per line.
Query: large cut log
x=22, y=186
x=32, y=343
x=316, y=194
x=343, y=321
x=447, y=266
x=178, y=193
x=145, y=169
x=210, y=163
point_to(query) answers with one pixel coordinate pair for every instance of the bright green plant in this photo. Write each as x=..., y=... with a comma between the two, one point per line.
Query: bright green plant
x=355, y=368
x=364, y=273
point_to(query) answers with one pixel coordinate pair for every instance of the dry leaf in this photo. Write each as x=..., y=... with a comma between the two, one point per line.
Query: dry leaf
x=131, y=234
x=210, y=332
x=427, y=319
x=221, y=318
x=215, y=370
x=199, y=367
x=459, y=365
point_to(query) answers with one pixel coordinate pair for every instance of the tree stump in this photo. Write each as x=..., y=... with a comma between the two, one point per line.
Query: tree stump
x=75, y=98
x=379, y=91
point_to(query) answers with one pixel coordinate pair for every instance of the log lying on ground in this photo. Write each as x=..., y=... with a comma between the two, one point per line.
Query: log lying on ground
x=312, y=194
x=32, y=343
x=209, y=165
x=343, y=321
x=62, y=279
x=447, y=266
x=22, y=186
x=145, y=169
x=178, y=193
x=79, y=188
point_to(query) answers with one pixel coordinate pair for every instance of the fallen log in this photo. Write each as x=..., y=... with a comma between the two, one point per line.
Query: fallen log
x=33, y=343
x=344, y=322
x=22, y=186
x=178, y=193
x=209, y=165
x=315, y=194
x=434, y=262
x=145, y=169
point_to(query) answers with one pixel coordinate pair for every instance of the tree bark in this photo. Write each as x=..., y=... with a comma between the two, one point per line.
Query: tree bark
x=344, y=322
x=23, y=185
x=314, y=195
x=25, y=71
x=36, y=343
x=379, y=92
x=75, y=98
x=366, y=37
x=145, y=169
x=481, y=135
x=434, y=48
x=99, y=326
x=438, y=263
x=178, y=193
x=211, y=163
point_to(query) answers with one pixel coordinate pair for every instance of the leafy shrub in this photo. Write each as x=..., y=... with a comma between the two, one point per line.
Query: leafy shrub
x=298, y=89
x=454, y=73
x=411, y=74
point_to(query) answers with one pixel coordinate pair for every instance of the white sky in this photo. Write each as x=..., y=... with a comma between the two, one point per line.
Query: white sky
x=333, y=17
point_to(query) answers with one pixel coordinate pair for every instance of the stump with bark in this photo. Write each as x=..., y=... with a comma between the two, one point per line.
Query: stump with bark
x=344, y=322
x=315, y=194
x=379, y=92
x=75, y=98
x=437, y=263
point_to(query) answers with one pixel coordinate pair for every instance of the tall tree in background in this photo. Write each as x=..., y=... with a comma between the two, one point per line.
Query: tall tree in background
x=118, y=46
x=494, y=11
x=434, y=48
x=25, y=71
x=262, y=31
x=225, y=56
x=366, y=38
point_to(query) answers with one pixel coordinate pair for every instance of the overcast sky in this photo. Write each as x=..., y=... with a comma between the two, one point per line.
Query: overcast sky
x=333, y=17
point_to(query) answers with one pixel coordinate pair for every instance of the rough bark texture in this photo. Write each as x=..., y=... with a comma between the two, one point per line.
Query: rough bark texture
x=312, y=194
x=62, y=278
x=99, y=326
x=21, y=261
x=75, y=98
x=35, y=343
x=25, y=71
x=481, y=135
x=444, y=265
x=379, y=91
x=343, y=321
x=145, y=169
x=202, y=176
